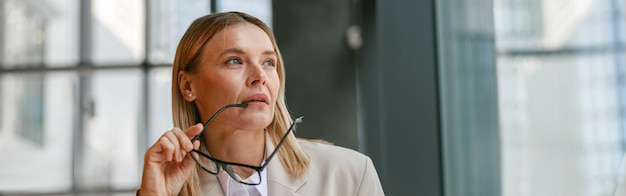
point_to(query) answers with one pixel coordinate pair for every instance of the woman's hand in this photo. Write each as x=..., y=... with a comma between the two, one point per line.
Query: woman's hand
x=168, y=163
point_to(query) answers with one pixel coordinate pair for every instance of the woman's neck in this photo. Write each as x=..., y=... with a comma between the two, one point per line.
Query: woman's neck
x=238, y=146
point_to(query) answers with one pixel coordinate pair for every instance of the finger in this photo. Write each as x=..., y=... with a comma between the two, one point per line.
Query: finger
x=183, y=140
x=171, y=136
x=196, y=144
x=161, y=151
x=193, y=130
x=188, y=162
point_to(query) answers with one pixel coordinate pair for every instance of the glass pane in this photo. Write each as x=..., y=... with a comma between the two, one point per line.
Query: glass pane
x=560, y=125
x=109, y=159
x=35, y=33
x=37, y=114
x=160, y=107
x=118, y=32
x=169, y=19
x=559, y=96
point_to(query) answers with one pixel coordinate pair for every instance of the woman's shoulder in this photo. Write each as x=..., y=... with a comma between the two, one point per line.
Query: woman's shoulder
x=335, y=170
x=325, y=154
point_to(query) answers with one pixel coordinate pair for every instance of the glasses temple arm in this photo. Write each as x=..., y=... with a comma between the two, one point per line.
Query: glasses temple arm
x=242, y=105
x=298, y=120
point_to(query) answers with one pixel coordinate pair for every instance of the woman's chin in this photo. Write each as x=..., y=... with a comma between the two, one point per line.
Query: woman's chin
x=256, y=121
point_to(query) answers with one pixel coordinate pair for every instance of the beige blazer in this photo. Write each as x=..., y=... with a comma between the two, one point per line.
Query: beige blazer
x=333, y=171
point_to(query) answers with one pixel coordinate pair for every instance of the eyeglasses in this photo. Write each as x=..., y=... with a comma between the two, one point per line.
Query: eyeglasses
x=242, y=173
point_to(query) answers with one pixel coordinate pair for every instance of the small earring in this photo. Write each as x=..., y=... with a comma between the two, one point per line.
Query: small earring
x=189, y=95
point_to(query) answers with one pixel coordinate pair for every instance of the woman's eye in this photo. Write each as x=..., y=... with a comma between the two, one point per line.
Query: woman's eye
x=269, y=63
x=233, y=61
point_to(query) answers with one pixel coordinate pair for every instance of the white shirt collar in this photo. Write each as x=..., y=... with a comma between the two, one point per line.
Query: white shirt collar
x=234, y=188
x=228, y=184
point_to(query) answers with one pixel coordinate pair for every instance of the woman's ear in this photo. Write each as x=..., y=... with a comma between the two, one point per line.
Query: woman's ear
x=184, y=85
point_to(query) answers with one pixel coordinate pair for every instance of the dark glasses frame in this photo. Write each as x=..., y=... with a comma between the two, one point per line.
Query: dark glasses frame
x=225, y=164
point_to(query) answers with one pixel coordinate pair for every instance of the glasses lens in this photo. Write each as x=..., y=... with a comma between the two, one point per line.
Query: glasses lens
x=204, y=162
x=244, y=175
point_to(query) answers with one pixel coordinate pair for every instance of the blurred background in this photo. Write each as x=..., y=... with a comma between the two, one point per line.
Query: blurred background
x=448, y=97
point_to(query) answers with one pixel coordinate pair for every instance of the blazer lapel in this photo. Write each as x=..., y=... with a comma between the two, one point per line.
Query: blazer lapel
x=280, y=182
x=209, y=184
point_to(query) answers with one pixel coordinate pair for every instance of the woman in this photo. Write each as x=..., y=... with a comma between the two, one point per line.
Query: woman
x=228, y=72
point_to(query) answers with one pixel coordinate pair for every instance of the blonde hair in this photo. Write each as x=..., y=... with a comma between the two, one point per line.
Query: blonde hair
x=185, y=114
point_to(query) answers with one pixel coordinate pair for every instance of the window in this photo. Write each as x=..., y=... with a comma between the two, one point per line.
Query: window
x=560, y=95
x=532, y=96
x=84, y=89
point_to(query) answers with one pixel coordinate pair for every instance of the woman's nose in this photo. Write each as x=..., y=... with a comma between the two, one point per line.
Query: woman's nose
x=257, y=75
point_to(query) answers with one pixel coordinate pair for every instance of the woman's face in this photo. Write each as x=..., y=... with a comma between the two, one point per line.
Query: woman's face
x=238, y=65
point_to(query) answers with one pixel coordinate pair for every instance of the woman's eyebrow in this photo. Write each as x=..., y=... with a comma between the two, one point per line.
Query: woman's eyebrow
x=240, y=51
x=269, y=53
x=232, y=50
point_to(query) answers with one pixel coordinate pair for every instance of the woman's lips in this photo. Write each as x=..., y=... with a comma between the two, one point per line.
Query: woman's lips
x=256, y=103
x=257, y=99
